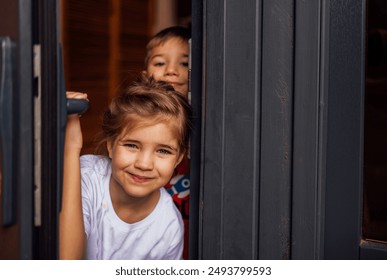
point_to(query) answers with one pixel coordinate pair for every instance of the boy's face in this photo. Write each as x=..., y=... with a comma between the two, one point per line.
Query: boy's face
x=169, y=62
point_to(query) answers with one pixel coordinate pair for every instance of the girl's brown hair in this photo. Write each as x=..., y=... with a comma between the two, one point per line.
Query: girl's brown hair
x=147, y=102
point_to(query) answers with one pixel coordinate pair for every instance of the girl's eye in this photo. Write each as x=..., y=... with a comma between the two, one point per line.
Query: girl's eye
x=130, y=145
x=185, y=64
x=164, y=152
x=159, y=64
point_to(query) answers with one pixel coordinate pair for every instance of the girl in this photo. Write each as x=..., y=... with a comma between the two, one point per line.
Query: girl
x=115, y=206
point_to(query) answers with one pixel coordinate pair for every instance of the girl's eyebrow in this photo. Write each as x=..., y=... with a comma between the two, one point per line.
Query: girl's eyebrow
x=169, y=147
x=128, y=140
x=125, y=140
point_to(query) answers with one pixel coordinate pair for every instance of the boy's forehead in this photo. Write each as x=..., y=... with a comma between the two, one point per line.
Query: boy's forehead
x=175, y=41
x=159, y=47
x=167, y=51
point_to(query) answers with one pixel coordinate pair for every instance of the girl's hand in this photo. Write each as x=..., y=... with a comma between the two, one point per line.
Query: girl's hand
x=76, y=95
x=73, y=140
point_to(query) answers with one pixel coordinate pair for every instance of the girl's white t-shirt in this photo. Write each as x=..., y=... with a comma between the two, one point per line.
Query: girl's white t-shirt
x=158, y=236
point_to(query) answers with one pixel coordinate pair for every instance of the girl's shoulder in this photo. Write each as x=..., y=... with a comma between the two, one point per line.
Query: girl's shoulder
x=167, y=207
x=95, y=164
x=95, y=175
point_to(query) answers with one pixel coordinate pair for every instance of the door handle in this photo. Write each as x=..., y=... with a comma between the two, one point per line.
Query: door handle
x=7, y=191
x=76, y=106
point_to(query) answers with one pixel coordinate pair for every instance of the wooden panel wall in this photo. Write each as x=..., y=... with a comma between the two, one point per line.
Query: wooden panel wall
x=104, y=47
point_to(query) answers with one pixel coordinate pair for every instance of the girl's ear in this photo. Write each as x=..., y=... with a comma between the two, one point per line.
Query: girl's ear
x=109, y=146
x=144, y=72
x=181, y=156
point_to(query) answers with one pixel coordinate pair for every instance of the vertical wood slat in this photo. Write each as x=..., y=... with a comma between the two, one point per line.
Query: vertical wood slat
x=344, y=95
x=230, y=216
x=114, y=46
x=196, y=174
x=51, y=154
x=24, y=134
x=211, y=212
x=276, y=133
x=135, y=26
x=241, y=129
x=307, y=139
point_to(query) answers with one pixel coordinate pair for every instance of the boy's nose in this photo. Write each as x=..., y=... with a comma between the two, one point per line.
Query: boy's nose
x=171, y=70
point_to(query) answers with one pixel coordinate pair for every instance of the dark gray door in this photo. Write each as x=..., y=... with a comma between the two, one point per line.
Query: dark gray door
x=32, y=123
x=282, y=144
x=16, y=232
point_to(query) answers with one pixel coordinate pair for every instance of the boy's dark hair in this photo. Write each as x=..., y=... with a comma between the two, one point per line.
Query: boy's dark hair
x=179, y=32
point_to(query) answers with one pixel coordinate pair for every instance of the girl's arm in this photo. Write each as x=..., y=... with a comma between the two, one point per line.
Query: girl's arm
x=72, y=237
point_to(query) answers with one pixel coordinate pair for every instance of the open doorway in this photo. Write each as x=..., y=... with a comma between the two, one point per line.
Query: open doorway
x=375, y=125
x=104, y=47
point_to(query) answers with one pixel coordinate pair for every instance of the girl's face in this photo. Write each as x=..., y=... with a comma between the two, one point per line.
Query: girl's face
x=143, y=160
x=169, y=62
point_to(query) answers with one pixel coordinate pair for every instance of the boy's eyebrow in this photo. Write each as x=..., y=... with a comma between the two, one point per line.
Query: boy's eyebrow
x=162, y=54
x=156, y=55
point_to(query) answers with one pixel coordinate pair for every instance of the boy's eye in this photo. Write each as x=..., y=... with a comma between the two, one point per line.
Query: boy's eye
x=185, y=64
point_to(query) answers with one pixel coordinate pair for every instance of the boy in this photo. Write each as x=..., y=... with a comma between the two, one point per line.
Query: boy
x=167, y=57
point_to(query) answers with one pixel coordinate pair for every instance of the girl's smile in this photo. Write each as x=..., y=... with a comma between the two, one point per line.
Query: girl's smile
x=140, y=179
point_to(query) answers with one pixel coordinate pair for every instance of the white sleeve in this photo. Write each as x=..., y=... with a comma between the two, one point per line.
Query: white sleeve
x=87, y=193
x=175, y=250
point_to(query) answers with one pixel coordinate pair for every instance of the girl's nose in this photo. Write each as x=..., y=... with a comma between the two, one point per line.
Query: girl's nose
x=144, y=161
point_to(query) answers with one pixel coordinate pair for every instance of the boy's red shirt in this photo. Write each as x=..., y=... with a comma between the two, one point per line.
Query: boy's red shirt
x=179, y=188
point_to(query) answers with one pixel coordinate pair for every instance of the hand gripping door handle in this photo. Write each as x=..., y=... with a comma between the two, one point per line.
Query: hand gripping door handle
x=7, y=192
